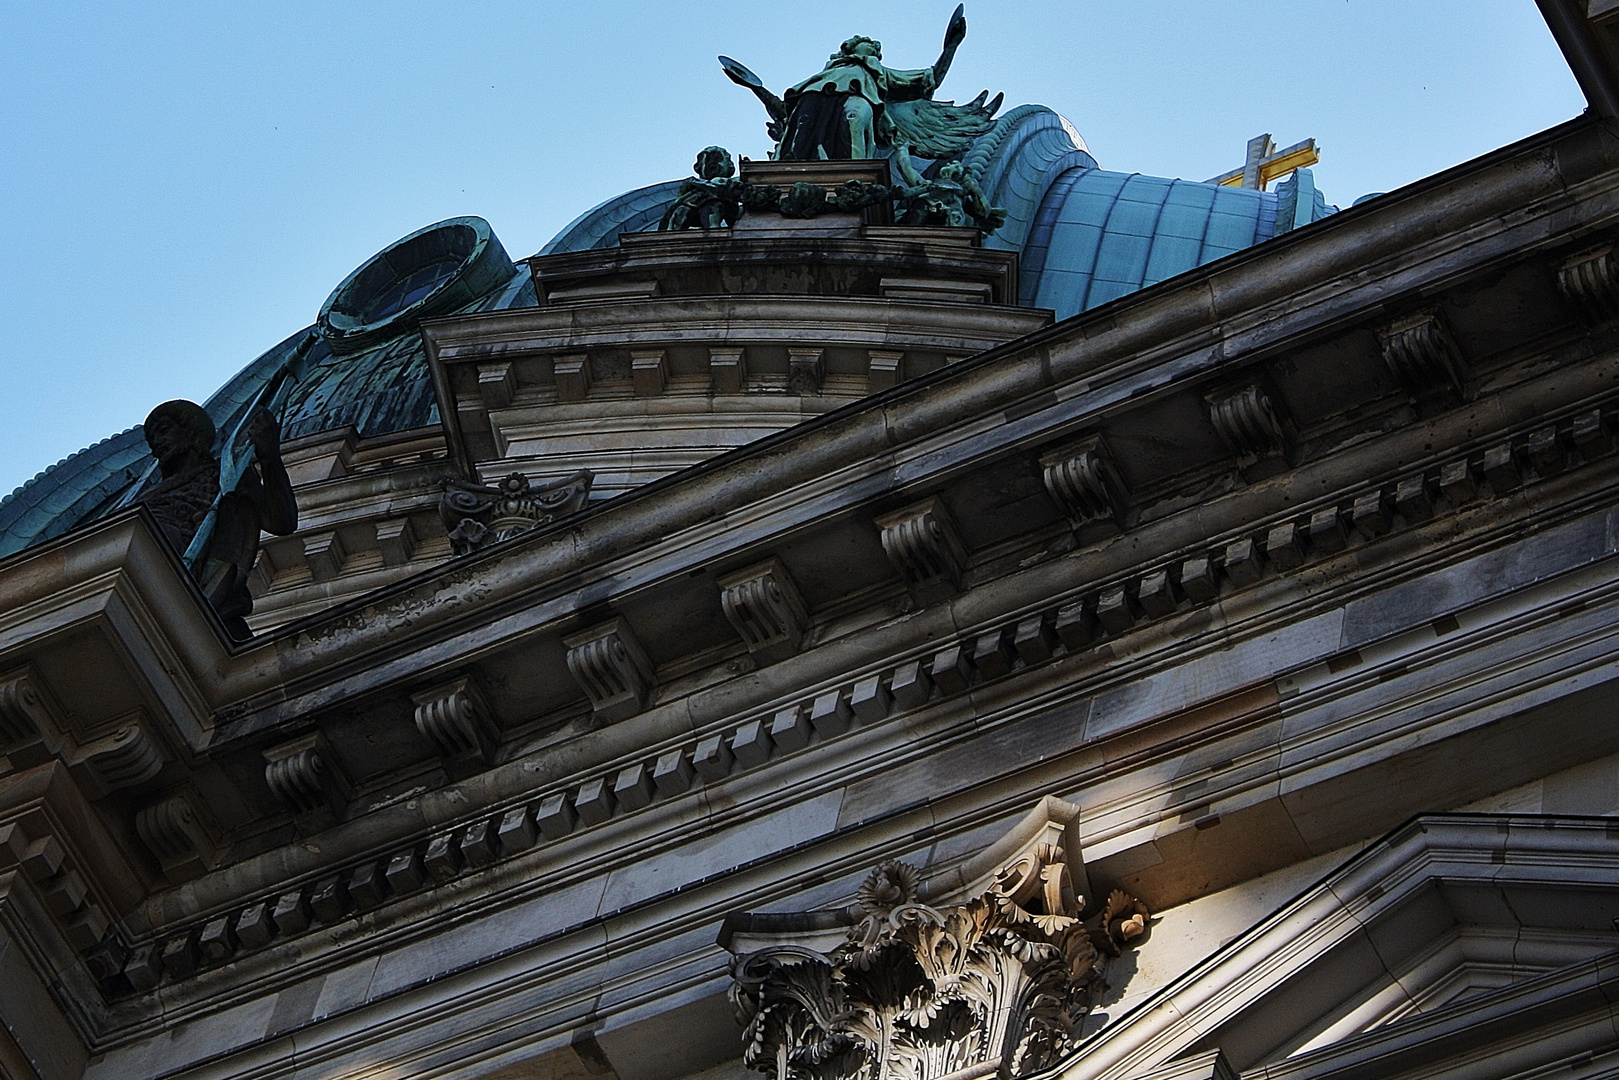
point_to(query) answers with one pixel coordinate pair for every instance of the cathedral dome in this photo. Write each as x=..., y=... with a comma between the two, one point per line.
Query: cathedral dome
x=1084, y=236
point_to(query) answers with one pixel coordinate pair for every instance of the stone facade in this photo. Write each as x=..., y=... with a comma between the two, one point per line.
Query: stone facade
x=1216, y=683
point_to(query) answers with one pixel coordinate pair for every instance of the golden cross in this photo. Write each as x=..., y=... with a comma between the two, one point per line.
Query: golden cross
x=1266, y=163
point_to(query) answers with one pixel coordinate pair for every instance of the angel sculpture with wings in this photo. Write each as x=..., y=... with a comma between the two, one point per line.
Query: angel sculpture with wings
x=855, y=107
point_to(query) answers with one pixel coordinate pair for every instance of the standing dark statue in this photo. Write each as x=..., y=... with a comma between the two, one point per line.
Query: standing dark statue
x=856, y=107
x=181, y=437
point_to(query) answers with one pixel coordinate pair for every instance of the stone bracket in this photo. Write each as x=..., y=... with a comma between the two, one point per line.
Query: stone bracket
x=174, y=831
x=610, y=666
x=1082, y=480
x=924, y=546
x=454, y=718
x=1423, y=355
x=305, y=777
x=1590, y=280
x=765, y=607
x=1248, y=422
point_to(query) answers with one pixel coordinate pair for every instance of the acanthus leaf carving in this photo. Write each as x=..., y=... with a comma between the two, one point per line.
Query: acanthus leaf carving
x=996, y=984
x=478, y=515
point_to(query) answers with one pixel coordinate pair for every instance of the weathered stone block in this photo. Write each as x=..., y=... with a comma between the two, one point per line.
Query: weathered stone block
x=1372, y=514
x=86, y=928
x=1200, y=580
x=1327, y=533
x=649, y=372
x=594, y=803
x=292, y=914
x=790, y=729
x=443, y=857
x=1035, y=639
x=830, y=714
x=751, y=744
x=882, y=369
x=1591, y=435
x=1548, y=452
x=806, y=368
x=1502, y=469
x=712, y=758
x=217, y=942
x=405, y=872
x=555, y=816
x=1413, y=498
x=368, y=886
x=65, y=893
x=993, y=654
x=1076, y=625
x=145, y=967
x=572, y=377
x=1116, y=610
x=480, y=843
x=1244, y=562
x=180, y=956
x=1284, y=546
x=632, y=788
x=870, y=699
x=329, y=899
x=911, y=685
x=728, y=370
x=397, y=540
x=255, y=926
x=517, y=831
x=951, y=670
x=1159, y=593
x=672, y=774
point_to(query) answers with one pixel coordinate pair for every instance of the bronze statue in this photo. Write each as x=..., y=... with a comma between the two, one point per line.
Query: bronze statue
x=181, y=437
x=856, y=107
x=709, y=199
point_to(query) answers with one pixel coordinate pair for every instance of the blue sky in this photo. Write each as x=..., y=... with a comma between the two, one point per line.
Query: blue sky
x=183, y=184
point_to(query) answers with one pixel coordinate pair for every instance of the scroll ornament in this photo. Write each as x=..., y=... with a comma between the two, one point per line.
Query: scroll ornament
x=917, y=992
x=478, y=515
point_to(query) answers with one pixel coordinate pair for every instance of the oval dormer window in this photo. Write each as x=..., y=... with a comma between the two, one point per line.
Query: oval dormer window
x=433, y=271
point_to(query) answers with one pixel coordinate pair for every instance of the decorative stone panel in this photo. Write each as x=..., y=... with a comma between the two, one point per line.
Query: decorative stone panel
x=477, y=515
x=610, y=666
x=765, y=607
x=1422, y=353
x=1591, y=281
x=1082, y=480
x=922, y=543
x=455, y=720
x=1247, y=422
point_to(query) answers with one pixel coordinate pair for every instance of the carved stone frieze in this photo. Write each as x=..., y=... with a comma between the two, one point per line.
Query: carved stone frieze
x=1247, y=422
x=478, y=515
x=455, y=720
x=1422, y=353
x=1082, y=480
x=610, y=666
x=1591, y=280
x=922, y=543
x=994, y=985
x=764, y=606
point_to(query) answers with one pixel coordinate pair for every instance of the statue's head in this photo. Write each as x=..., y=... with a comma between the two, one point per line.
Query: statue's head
x=180, y=433
x=951, y=170
x=714, y=162
x=863, y=46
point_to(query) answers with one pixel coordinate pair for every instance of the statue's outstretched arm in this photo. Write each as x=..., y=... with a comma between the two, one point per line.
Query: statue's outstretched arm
x=280, y=507
x=740, y=75
x=953, y=36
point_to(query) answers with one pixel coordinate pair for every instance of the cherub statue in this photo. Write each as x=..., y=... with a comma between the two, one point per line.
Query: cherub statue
x=952, y=197
x=181, y=437
x=856, y=107
x=709, y=199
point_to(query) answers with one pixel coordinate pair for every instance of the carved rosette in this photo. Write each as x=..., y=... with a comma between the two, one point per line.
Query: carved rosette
x=478, y=515
x=997, y=984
